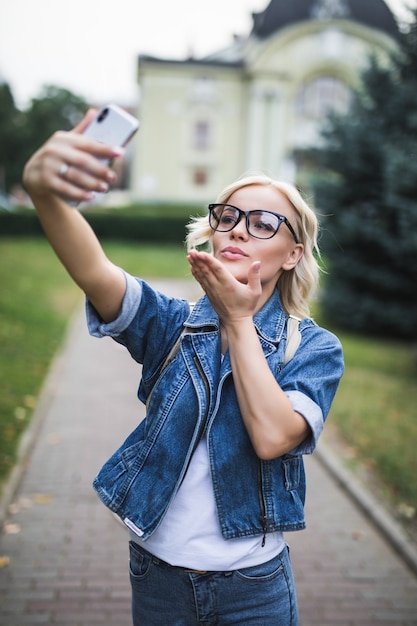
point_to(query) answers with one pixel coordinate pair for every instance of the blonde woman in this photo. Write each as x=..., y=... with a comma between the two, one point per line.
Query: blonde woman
x=211, y=479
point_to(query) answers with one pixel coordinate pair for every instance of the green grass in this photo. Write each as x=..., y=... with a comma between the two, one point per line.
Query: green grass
x=374, y=409
x=36, y=300
x=149, y=261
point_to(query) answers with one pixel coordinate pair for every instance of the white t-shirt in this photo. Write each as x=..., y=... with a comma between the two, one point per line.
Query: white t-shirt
x=190, y=536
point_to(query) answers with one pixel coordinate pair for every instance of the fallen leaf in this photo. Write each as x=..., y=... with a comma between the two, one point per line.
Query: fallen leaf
x=4, y=561
x=54, y=439
x=407, y=511
x=358, y=535
x=19, y=505
x=42, y=498
x=20, y=413
x=11, y=529
x=30, y=402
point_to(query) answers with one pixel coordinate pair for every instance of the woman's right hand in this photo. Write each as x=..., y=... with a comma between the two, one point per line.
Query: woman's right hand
x=68, y=165
x=51, y=186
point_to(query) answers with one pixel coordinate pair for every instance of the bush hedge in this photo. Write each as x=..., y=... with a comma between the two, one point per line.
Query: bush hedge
x=151, y=223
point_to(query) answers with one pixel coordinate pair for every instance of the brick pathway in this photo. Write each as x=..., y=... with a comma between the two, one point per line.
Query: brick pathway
x=68, y=555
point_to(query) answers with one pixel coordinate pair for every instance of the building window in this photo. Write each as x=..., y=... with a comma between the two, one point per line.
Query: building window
x=201, y=135
x=203, y=89
x=322, y=96
x=200, y=177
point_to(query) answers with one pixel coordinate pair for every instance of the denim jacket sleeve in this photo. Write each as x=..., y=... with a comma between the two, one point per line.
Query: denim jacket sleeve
x=131, y=301
x=148, y=325
x=311, y=379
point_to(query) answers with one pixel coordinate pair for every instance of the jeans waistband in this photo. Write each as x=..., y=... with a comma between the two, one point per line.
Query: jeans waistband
x=157, y=561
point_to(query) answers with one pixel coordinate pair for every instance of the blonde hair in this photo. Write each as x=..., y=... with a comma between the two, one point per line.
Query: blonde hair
x=296, y=286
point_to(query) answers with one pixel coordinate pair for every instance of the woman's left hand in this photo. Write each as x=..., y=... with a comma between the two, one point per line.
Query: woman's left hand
x=231, y=299
x=272, y=424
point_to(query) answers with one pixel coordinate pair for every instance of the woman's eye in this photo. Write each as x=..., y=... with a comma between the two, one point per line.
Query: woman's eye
x=260, y=225
x=228, y=217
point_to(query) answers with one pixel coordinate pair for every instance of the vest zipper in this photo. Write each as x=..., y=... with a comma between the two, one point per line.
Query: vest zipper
x=262, y=503
x=203, y=423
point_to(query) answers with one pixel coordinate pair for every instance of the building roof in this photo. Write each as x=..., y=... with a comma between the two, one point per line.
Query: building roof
x=212, y=60
x=281, y=13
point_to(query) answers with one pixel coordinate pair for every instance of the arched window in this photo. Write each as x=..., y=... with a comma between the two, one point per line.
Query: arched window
x=201, y=135
x=321, y=96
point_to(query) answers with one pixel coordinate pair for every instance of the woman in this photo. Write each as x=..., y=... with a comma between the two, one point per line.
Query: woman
x=213, y=476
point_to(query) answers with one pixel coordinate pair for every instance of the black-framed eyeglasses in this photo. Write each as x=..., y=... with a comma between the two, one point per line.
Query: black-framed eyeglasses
x=260, y=224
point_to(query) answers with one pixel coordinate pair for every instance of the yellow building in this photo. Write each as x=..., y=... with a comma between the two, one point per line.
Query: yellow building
x=207, y=121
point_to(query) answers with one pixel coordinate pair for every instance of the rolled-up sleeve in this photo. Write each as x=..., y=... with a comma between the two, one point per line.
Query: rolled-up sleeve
x=313, y=415
x=310, y=380
x=130, y=304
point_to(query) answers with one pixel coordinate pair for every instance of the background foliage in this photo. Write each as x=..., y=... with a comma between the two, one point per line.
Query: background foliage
x=367, y=190
x=23, y=132
x=146, y=223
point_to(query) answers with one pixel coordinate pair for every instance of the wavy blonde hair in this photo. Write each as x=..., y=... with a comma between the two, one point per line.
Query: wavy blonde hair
x=296, y=286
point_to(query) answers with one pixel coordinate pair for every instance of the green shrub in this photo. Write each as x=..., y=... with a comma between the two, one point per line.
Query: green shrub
x=150, y=223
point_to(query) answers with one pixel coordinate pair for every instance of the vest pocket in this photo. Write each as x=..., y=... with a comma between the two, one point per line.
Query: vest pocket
x=292, y=471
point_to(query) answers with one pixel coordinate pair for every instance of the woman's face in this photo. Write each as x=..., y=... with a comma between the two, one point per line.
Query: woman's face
x=237, y=250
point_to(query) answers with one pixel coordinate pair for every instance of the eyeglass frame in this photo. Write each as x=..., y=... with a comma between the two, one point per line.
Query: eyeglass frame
x=282, y=220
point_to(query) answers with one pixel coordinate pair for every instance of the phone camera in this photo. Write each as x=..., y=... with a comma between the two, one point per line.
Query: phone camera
x=103, y=114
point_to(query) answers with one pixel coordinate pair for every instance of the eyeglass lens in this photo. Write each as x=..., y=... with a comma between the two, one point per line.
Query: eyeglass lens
x=260, y=224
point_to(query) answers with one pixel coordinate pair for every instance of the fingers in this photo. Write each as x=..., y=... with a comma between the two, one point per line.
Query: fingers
x=71, y=165
x=254, y=277
x=82, y=152
x=87, y=119
x=85, y=171
x=230, y=298
x=77, y=184
x=205, y=268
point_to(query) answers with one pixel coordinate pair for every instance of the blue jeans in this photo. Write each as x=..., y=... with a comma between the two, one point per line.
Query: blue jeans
x=163, y=595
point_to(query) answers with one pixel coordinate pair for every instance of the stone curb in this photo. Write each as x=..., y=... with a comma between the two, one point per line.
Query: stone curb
x=386, y=524
x=30, y=435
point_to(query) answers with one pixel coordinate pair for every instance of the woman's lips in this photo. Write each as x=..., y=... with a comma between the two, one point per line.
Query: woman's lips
x=233, y=253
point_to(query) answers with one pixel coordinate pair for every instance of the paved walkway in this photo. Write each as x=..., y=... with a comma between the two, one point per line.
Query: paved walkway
x=68, y=555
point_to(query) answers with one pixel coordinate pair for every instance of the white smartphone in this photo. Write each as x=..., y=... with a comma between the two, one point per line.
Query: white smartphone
x=112, y=126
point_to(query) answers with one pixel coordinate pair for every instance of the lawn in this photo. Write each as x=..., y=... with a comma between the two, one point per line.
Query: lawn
x=37, y=299
x=374, y=409
x=375, y=412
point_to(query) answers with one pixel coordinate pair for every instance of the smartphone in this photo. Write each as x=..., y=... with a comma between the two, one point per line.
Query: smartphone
x=113, y=126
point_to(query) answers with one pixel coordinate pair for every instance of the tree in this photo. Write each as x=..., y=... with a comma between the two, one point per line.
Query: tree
x=367, y=191
x=22, y=132
x=10, y=138
x=54, y=109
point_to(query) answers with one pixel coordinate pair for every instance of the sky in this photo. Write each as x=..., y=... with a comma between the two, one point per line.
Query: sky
x=91, y=46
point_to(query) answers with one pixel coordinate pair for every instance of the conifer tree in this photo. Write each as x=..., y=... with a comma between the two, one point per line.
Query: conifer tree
x=367, y=193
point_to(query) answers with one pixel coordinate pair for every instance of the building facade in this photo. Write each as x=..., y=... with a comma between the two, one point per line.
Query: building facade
x=252, y=106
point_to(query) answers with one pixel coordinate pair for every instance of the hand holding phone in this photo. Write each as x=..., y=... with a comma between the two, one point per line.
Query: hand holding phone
x=112, y=126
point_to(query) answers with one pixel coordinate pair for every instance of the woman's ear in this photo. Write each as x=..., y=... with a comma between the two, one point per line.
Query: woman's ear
x=294, y=256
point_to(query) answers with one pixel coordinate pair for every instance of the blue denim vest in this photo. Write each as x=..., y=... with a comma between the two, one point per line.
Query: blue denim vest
x=194, y=397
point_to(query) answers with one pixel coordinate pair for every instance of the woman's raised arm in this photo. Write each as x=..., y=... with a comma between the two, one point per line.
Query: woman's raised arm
x=67, y=166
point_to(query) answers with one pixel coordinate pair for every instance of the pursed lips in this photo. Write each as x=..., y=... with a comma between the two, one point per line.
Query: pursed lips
x=233, y=253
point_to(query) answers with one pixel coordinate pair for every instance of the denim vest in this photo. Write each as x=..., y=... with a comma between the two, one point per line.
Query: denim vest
x=194, y=397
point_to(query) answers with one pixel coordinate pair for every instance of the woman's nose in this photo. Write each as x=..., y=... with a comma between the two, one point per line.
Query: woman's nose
x=240, y=231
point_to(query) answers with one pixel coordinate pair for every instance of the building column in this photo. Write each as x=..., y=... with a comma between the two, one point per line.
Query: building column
x=255, y=129
x=274, y=139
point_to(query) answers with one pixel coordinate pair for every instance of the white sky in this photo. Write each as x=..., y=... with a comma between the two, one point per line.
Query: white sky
x=91, y=46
